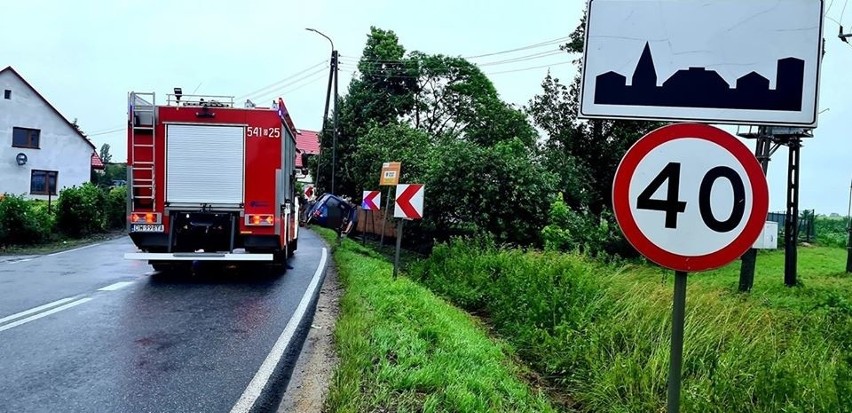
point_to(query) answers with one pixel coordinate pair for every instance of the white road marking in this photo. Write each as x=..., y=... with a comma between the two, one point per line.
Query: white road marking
x=255, y=387
x=73, y=250
x=117, y=286
x=35, y=310
x=45, y=314
x=21, y=260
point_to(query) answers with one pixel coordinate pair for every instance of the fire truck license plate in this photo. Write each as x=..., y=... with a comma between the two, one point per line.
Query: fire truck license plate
x=147, y=228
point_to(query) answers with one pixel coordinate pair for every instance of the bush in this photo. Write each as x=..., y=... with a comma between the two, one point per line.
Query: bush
x=117, y=207
x=23, y=222
x=82, y=210
x=831, y=232
x=569, y=230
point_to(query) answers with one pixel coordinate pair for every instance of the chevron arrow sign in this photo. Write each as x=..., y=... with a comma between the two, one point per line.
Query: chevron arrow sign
x=371, y=200
x=409, y=201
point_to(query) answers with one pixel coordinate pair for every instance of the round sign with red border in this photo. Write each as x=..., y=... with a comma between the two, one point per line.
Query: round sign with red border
x=690, y=197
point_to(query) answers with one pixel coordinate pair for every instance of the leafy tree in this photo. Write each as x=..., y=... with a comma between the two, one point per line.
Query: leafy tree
x=104, y=154
x=382, y=94
x=443, y=119
x=455, y=99
x=502, y=190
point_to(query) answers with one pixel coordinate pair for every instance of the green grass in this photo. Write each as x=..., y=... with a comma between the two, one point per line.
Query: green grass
x=59, y=243
x=402, y=349
x=601, y=332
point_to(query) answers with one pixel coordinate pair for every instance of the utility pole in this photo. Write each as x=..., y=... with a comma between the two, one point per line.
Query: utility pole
x=749, y=259
x=325, y=113
x=332, y=73
x=791, y=223
x=770, y=138
x=849, y=233
x=334, y=144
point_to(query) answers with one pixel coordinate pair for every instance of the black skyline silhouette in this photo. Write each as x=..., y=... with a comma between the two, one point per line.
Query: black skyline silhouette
x=698, y=87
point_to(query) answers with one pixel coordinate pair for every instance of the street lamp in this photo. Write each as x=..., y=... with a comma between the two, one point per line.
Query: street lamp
x=332, y=74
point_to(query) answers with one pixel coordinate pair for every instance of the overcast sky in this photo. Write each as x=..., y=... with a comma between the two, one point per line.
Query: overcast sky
x=85, y=56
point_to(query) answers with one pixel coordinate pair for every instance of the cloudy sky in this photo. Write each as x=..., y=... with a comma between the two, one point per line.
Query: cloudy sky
x=85, y=56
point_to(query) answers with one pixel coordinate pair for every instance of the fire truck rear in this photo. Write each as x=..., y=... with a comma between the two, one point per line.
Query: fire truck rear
x=208, y=181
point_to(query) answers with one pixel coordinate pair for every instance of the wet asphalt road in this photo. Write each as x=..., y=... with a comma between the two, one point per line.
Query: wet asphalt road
x=120, y=338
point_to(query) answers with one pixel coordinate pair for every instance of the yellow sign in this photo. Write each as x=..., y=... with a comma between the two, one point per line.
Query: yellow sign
x=390, y=173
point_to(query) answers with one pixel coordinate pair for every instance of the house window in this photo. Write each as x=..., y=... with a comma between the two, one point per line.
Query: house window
x=40, y=181
x=25, y=138
x=7, y=94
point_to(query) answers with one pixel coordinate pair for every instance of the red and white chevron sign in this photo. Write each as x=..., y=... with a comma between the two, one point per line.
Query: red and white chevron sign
x=371, y=200
x=409, y=201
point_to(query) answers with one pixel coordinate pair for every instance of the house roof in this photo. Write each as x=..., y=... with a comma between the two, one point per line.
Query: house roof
x=97, y=163
x=306, y=141
x=71, y=125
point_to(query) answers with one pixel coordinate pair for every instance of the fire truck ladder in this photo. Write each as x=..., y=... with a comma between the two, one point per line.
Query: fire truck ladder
x=143, y=114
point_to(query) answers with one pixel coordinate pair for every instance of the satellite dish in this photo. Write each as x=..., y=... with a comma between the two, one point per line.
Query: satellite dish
x=21, y=158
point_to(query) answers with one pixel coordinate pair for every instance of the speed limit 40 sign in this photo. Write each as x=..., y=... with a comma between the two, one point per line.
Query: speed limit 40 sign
x=690, y=197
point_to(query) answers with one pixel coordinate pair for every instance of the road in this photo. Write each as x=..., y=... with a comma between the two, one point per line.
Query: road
x=86, y=331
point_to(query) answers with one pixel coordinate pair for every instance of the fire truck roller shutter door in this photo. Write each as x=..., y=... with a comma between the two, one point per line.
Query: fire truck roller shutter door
x=205, y=164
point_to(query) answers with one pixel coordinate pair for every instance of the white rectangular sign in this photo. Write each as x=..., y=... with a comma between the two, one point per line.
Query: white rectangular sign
x=754, y=62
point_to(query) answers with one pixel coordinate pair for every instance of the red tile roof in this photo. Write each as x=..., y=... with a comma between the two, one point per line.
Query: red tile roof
x=306, y=141
x=96, y=161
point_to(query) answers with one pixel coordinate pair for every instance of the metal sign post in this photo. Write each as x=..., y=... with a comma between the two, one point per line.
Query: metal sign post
x=409, y=205
x=398, y=247
x=385, y=218
x=389, y=176
x=678, y=315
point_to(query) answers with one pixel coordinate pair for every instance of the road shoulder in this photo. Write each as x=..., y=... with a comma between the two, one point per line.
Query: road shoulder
x=308, y=386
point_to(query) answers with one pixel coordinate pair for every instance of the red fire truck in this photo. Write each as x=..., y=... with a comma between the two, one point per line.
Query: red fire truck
x=208, y=181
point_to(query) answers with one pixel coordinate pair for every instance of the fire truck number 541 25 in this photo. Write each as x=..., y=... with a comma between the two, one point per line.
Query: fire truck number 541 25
x=259, y=132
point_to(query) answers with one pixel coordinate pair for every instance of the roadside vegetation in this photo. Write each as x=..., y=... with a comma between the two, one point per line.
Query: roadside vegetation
x=401, y=348
x=519, y=231
x=601, y=331
x=82, y=212
x=831, y=232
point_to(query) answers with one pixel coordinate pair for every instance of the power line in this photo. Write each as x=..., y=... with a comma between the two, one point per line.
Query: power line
x=277, y=83
x=517, y=49
x=528, y=68
x=519, y=59
x=401, y=76
x=280, y=90
x=107, y=132
x=522, y=58
x=532, y=46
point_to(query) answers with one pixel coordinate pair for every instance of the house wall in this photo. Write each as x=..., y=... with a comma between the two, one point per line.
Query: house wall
x=61, y=148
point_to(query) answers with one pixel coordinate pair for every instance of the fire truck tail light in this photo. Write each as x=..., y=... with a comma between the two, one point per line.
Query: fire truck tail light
x=260, y=220
x=145, y=218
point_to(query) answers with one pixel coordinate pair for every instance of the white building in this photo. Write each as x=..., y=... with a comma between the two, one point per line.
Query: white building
x=40, y=150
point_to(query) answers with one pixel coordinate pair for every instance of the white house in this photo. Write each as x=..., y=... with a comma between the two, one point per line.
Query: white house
x=41, y=152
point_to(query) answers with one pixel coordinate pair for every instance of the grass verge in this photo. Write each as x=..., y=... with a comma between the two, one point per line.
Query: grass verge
x=602, y=332
x=60, y=244
x=403, y=349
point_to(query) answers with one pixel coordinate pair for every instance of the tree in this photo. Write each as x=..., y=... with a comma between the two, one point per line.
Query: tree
x=443, y=119
x=501, y=189
x=104, y=154
x=583, y=154
x=382, y=94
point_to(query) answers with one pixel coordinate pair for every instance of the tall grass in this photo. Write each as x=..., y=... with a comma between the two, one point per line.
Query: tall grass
x=601, y=332
x=403, y=349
